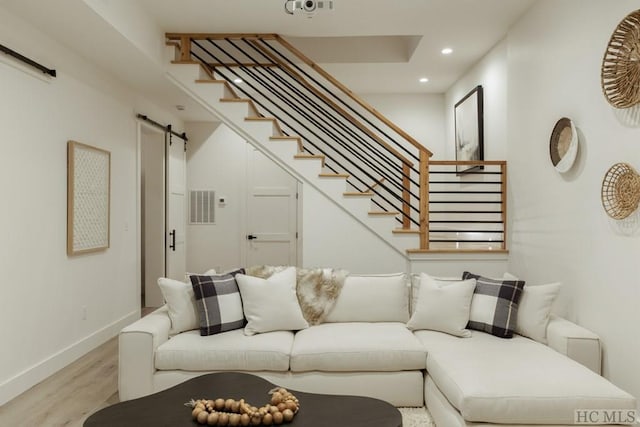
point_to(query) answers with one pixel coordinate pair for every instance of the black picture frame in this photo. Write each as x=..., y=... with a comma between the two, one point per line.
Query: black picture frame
x=469, y=129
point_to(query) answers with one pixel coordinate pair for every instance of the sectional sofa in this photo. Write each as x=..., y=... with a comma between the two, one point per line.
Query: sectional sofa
x=404, y=340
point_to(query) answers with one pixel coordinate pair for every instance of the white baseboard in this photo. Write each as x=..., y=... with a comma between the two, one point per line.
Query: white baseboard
x=23, y=381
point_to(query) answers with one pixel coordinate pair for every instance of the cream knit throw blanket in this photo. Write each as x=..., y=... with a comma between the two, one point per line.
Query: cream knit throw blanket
x=317, y=288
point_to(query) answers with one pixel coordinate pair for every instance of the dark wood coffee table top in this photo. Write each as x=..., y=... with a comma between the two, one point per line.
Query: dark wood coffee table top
x=166, y=408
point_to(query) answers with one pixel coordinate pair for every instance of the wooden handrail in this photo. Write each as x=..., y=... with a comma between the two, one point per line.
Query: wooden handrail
x=352, y=95
x=467, y=162
x=333, y=105
x=220, y=36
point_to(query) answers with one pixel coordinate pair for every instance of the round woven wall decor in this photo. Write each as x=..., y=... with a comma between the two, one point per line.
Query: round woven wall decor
x=621, y=64
x=563, y=145
x=620, y=191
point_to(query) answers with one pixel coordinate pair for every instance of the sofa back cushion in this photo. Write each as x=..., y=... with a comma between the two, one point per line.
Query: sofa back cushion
x=443, y=306
x=372, y=298
x=181, y=305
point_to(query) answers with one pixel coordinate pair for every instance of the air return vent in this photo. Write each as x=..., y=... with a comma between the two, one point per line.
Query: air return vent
x=202, y=207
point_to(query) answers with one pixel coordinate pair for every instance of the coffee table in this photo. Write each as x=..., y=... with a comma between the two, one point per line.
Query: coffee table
x=166, y=408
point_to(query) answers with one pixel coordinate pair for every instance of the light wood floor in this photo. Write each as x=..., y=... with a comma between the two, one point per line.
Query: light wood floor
x=69, y=396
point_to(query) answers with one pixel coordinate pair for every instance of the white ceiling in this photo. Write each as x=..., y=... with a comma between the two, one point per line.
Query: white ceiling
x=469, y=27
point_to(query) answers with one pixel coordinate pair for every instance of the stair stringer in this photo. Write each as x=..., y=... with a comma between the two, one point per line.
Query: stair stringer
x=258, y=134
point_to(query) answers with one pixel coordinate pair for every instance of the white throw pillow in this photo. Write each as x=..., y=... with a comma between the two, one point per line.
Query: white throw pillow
x=535, y=309
x=271, y=304
x=415, y=287
x=181, y=304
x=372, y=298
x=443, y=306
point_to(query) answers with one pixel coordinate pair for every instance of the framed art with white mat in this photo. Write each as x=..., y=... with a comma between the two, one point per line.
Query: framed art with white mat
x=88, y=198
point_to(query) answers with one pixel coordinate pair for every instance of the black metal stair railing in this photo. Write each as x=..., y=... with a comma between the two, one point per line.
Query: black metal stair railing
x=466, y=211
x=302, y=111
x=451, y=212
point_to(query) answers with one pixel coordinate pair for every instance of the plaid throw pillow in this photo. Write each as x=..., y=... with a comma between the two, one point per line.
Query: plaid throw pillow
x=218, y=301
x=494, y=306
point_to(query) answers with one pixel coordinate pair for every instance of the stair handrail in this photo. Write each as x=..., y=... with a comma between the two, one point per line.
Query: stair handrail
x=182, y=41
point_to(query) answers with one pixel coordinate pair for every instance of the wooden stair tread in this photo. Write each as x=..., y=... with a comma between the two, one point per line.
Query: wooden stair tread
x=358, y=194
x=260, y=119
x=384, y=213
x=334, y=175
x=308, y=156
x=177, y=61
x=285, y=138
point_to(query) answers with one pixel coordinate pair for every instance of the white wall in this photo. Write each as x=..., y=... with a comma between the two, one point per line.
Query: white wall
x=217, y=160
x=559, y=231
x=43, y=291
x=491, y=73
x=420, y=115
x=333, y=238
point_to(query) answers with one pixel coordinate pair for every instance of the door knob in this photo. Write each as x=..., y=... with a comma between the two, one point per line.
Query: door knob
x=251, y=237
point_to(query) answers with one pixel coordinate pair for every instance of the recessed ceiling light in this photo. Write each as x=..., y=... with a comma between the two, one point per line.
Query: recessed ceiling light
x=238, y=80
x=446, y=51
x=423, y=80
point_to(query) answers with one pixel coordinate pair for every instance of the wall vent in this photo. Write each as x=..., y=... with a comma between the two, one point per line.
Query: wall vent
x=202, y=207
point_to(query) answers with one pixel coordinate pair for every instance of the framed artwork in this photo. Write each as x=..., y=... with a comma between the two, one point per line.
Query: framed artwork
x=469, y=129
x=88, y=198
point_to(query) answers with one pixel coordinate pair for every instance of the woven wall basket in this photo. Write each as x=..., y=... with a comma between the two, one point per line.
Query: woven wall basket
x=620, y=191
x=621, y=64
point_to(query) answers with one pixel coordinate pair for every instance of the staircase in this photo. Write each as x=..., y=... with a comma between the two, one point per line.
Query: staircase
x=287, y=107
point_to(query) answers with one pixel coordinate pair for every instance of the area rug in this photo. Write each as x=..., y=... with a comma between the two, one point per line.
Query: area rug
x=416, y=417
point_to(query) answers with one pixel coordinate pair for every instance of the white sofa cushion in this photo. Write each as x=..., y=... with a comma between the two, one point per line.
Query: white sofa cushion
x=372, y=298
x=516, y=381
x=357, y=346
x=271, y=304
x=233, y=350
x=534, y=309
x=443, y=306
x=181, y=304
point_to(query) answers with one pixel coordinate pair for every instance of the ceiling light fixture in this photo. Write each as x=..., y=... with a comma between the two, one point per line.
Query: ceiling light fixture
x=423, y=80
x=237, y=81
x=446, y=51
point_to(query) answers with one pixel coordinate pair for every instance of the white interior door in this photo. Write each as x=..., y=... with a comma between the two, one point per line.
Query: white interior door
x=176, y=208
x=272, y=213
